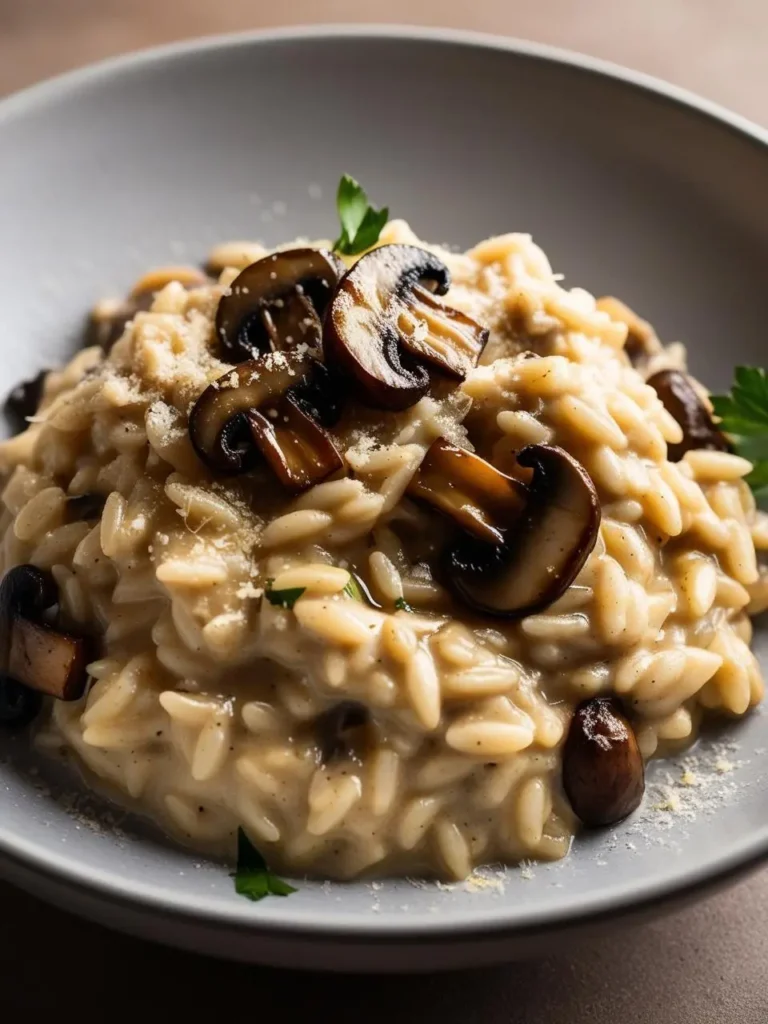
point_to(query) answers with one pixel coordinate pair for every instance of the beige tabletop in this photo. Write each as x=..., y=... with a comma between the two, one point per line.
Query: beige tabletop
x=706, y=965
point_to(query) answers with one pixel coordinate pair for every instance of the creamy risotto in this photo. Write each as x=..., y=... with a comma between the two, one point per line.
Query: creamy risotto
x=402, y=570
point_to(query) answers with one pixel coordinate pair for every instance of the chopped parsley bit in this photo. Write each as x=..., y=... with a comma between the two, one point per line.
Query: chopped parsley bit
x=402, y=605
x=361, y=223
x=253, y=879
x=283, y=598
x=744, y=418
x=353, y=590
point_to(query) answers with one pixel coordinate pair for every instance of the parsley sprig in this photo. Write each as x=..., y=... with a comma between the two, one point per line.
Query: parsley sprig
x=253, y=879
x=744, y=418
x=361, y=223
x=286, y=598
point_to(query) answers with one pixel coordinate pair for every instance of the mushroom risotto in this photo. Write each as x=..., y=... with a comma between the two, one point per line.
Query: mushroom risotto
x=402, y=562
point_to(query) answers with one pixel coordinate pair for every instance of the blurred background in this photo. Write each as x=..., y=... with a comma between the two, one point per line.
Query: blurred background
x=716, y=47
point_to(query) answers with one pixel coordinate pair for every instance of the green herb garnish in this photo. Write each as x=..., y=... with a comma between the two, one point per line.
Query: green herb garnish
x=253, y=878
x=283, y=598
x=744, y=418
x=361, y=223
x=353, y=590
x=402, y=605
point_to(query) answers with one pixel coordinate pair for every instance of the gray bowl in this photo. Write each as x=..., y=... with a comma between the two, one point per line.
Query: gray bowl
x=633, y=188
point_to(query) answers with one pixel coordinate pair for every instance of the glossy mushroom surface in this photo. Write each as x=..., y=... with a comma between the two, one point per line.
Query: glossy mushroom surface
x=603, y=770
x=252, y=413
x=543, y=548
x=38, y=655
x=277, y=303
x=683, y=402
x=385, y=327
x=470, y=491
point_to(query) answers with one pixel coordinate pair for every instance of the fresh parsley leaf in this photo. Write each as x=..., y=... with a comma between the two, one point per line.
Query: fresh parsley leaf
x=744, y=418
x=361, y=223
x=253, y=878
x=283, y=598
x=758, y=479
x=745, y=410
x=353, y=590
x=402, y=605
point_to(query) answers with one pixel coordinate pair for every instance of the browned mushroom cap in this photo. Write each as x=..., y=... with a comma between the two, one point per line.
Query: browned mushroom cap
x=684, y=404
x=383, y=325
x=544, y=547
x=642, y=342
x=108, y=320
x=252, y=412
x=39, y=656
x=277, y=303
x=476, y=496
x=603, y=771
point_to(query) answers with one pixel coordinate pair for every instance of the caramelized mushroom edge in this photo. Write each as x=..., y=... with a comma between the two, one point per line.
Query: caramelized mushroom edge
x=277, y=303
x=521, y=546
x=385, y=327
x=257, y=411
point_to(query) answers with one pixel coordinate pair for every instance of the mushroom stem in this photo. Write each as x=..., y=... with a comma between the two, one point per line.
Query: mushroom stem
x=46, y=660
x=544, y=547
x=383, y=325
x=36, y=654
x=439, y=335
x=252, y=411
x=277, y=303
x=470, y=491
x=298, y=451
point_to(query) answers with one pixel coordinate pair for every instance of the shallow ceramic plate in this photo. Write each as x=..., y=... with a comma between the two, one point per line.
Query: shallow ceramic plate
x=632, y=187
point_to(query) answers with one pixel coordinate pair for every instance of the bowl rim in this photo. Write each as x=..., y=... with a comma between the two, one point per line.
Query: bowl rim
x=573, y=910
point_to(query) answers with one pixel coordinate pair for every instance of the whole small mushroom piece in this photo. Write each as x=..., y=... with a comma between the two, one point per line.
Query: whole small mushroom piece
x=603, y=771
x=277, y=303
x=252, y=413
x=544, y=546
x=385, y=327
x=470, y=491
x=37, y=655
x=685, y=405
